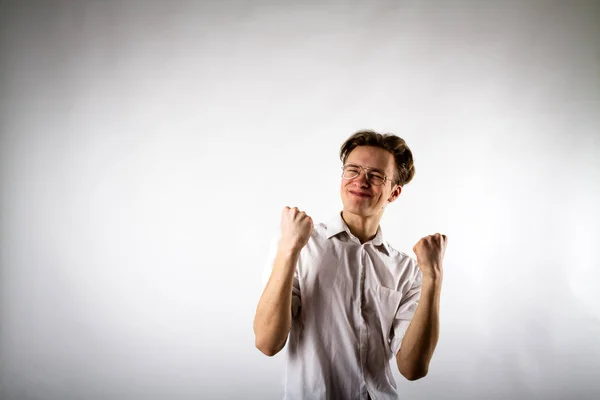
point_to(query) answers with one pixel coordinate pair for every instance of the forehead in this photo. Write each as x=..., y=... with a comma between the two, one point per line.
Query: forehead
x=372, y=157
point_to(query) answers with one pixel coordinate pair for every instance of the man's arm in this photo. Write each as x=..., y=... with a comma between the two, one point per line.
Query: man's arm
x=273, y=318
x=422, y=334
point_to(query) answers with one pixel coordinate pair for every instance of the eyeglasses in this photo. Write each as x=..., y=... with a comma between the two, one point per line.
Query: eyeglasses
x=351, y=171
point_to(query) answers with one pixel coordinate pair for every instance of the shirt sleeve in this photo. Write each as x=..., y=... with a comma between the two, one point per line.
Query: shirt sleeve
x=272, y=253
x=405, y=313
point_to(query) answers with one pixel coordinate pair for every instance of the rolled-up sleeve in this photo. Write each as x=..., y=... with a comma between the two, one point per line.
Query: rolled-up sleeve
x=405, y=313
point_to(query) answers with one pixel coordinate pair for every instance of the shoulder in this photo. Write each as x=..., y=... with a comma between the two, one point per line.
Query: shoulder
x=406, y=264
x=399, y=255
x=319, y=230
x=318, y=238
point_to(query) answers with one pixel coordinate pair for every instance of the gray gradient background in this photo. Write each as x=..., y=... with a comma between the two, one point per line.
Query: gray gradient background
x=148, y=147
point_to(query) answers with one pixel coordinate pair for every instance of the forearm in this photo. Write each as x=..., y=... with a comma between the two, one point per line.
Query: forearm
x=273, y=317
x=421, y=337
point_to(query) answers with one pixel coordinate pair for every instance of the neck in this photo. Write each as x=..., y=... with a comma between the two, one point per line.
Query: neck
x=364, y=228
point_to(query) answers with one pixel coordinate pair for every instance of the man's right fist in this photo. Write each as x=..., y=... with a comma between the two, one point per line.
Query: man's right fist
x=296, y=228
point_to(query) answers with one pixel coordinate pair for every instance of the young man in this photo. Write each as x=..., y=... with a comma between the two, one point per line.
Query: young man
x=347, y=300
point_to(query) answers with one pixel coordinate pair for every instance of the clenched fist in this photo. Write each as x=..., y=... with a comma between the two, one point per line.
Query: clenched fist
x=430, y=254
x=296, y=228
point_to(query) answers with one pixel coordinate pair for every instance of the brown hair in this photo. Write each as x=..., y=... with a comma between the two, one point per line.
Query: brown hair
x=405, y=168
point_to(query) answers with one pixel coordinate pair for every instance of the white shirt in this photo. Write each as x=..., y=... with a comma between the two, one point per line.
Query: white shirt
x=351, y=306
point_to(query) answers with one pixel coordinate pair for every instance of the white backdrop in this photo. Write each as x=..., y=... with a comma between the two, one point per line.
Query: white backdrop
x=148, y=147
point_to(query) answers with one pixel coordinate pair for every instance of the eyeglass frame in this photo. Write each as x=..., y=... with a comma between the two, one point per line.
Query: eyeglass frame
x=385, y=177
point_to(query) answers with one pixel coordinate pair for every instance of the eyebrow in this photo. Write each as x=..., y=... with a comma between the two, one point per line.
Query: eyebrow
x=372, y=169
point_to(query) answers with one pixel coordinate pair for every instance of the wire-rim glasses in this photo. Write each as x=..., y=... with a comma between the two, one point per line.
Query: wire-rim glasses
x=351, y=171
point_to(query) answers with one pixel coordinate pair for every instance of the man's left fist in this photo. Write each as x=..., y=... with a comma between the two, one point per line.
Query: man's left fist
x=430, y=254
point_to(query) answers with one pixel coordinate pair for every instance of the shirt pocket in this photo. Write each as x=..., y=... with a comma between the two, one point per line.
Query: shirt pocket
x=386, y=303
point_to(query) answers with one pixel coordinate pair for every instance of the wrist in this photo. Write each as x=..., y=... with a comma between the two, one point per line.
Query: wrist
x=288, y=251
x=433, y=277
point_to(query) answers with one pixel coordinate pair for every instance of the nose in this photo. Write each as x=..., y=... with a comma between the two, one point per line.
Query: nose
x=362, y=178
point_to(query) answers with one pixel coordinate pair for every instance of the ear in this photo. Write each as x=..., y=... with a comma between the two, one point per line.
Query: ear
x=395, y=194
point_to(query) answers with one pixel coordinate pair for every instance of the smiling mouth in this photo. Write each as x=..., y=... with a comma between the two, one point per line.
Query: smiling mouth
x=360, y=194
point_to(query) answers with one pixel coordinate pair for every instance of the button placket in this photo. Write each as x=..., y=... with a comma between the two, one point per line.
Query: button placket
x=363, y=330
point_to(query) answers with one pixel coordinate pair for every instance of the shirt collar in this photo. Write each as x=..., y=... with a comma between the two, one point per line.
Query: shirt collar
x=337, y=225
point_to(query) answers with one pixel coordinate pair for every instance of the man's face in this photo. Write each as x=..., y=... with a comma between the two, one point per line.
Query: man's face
x=359, y=196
